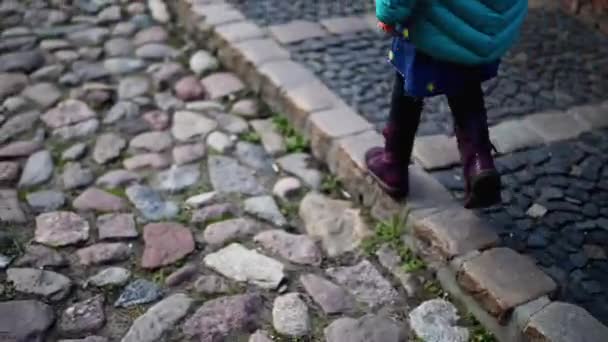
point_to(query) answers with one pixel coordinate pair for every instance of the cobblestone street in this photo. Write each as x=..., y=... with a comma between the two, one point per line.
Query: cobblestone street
x=554, y=196
x=148, y=196
x=151, y=191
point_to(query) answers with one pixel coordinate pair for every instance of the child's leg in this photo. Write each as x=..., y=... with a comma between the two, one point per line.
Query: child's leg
x=482, y=181
x=389, y=165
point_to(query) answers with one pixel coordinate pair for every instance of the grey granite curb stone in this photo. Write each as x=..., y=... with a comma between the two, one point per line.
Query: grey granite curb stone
x=511, y=302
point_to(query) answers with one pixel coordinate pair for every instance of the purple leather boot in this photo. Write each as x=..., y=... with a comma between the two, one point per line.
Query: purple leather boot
x=482, y=181
x=388, y=165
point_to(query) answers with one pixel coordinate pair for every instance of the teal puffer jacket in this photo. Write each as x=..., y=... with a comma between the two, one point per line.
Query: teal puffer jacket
x=470, y=32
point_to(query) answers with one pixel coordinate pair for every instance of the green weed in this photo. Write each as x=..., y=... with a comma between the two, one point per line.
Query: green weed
x=478, y=332
x=295, y=142
x=331, y=184
x=251, y=137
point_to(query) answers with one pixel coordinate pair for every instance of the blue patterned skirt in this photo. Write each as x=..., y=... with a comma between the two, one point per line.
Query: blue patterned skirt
x=425, y=76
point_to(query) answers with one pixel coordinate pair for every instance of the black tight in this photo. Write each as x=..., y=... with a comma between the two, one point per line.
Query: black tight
x=466, y=106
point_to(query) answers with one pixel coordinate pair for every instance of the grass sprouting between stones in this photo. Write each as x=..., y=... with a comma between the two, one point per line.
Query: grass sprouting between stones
x=294, y=141
x=331, y=185
x=251, y=137
x=478, y=332
x=390, y=233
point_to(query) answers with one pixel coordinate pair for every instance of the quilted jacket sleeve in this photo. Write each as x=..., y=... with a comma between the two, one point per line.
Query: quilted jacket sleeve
x=393, y=12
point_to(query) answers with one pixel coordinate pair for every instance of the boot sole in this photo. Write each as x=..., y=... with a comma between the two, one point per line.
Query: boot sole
x=395, y=193
x=485, y=190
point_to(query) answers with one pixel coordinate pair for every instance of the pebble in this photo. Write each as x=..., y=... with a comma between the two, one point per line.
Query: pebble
x=238, y=314
x=437, y=320
x=116, y=226
x=10, y=210
x=11, y=84
x=89, y=37
x=18, y=124
x=38, y=169
x=19, y=149
x=244, y=265
x=205, y=106
x=273, y=142
x=177, y=178
x=157, y=120
x=132, y=87
x=155, y=51
x=266, y=209
x=331, y=298
x=110, y=14
x=123, y=65
x=246, y=108
x=254, y=156
x=201, y=200
x=9, y=171
x=139, y=291
x=287, y=188
x=369, y=328
x=79, y=130
x=146, y=160
x=61, y=228
x=26, y=320
x=122, y=109
x=115, y=178
x=290, y=315
x=118, y=47
x=221, y=84
x=25, y=61
x=83, y=317
x=67, y=113
x=321, y=216
x=74, y=152
x=187, y=125
x=297, y=164
x=111, y=276
x=299, y=249
x=152, y=141
x=126, y=29
x=54, y=44
x=103, y=253
x=49, y=73
x=211, y=284
x=160, y=318
x=189, y=88
x=150, y=203
x=159, y=11
x=228, y=176
x=44, y=94
x=165, y=73
x=202, y=62
x=108, y=147
x=220, y=233
x=76, y=176
x=365, y=283
x=219, y=142
x=45, y=200
x=230, y=123
x=214, y=213
x=39, y=256
x=55, y=286
x=154, y=34
x=185, y=154
x=165, y=244
x=98, y=200
x=167, y=102
x=537, y=211
x=181, y=275
x=89, y=71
